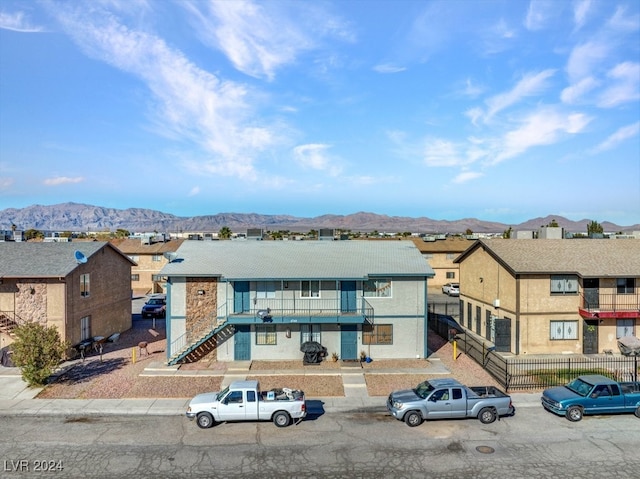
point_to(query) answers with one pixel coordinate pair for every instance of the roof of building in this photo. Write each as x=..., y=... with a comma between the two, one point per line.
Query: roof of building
x=298, y=260
x=452, y=244
x=584, y=257
x=45, y=260
x=134, y=246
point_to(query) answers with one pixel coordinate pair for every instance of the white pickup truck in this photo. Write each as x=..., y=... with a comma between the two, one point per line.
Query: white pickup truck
x=243, y=401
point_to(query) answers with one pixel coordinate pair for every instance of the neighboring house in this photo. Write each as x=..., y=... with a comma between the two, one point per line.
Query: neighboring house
x=440, y=254
x=263, y=299
x=81, y=288
x=149, y=256
x=551, y=296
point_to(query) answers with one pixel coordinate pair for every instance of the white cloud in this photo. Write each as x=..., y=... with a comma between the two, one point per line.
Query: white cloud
x=538, y=14
x=315, y=156
x=6, y=182
x=573, y=93
x=585, y=58
x=17, y=22
x=474, y=114
x=471, y=90
x=621, y=135
x=190, y=104
x=467, y=176
x=195, y=191
x=543, y=127
x=623, y=21
x=625, y=85
x=530, y=85
x=62, y=180
x=388, y=68
x=261, y=37
x=438, y=152
x=580, y=12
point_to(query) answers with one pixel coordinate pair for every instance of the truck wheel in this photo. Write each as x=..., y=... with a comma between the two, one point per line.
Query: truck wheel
x=487, y=415
x=574, y=413
x=413, y=419
x=204, y=420
x=637, y=413
x=281, y=419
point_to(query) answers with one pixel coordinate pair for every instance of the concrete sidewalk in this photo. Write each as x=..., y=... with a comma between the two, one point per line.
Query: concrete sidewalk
x=17, y=399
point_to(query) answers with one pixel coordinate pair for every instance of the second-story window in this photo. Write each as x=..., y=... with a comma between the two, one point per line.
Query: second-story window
x=310, y=289
x=377, y=288
x=265, y=289
x=156, y=257
x=564, y=284
x=626, y=285
x=84, y=285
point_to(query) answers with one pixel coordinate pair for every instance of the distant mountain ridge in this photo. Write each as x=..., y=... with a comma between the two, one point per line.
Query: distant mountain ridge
x=80, y=217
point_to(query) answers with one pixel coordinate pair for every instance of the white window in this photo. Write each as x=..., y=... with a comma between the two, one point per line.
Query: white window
x=564, y=284
x=134, y=257
x=310, y=289
x=625, y=327
x=84, y=285
x=310, y=332
x=564, y=329
x=265, y=289
x=156, y=257
x=85, y=328
x=377, y=288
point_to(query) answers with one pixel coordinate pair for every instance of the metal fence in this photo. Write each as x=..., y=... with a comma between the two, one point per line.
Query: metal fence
x=533, y=373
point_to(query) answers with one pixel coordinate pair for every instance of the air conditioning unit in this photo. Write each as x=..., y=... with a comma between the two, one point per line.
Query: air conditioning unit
x=496, y=303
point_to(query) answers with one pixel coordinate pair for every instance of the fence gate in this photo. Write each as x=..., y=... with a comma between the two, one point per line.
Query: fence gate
x=503, y=335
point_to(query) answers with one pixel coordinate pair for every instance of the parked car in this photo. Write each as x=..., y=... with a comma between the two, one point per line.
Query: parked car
x=454, y=289
x=445, y=288
x=155, y=307
x=243, y=401
x=592, y=394
x=446, y=398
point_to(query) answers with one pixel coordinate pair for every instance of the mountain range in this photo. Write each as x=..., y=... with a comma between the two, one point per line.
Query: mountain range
x=77, y=217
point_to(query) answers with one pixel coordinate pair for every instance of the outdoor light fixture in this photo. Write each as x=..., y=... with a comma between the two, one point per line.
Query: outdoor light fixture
x=201, y=292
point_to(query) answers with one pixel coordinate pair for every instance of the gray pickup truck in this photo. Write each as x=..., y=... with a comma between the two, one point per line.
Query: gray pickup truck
x=447, y=398
x=243, y=401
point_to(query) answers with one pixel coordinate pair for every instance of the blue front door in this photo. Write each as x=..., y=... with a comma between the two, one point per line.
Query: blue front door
x=348, y=296
x=348, y=341
x=241, y=297
x=242, y=343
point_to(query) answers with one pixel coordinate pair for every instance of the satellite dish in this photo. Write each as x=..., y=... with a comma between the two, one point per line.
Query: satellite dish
x=171, y=255
x=80, y=257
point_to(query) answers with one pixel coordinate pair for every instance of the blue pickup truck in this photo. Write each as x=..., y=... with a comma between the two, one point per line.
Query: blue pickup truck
x=592, y=394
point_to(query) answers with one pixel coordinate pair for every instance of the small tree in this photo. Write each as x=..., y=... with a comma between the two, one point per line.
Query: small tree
x=224, y=233
x=594, y=227
x=506, y=234
x=37, y=351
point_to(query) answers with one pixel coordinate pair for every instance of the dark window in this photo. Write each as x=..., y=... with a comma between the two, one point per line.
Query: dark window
x=234, y=397
x=457, y=393
x=251, y=396
x=135, y=277
x=626, y=285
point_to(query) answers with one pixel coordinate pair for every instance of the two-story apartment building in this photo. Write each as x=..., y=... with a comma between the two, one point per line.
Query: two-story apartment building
x=149, y=257
x=263, y=299
x=551, y=296
x=440, y=254
x=82, y=288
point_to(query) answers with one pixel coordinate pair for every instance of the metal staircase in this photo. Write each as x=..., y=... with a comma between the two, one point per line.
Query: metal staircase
x=8, y=323
x=200, y=341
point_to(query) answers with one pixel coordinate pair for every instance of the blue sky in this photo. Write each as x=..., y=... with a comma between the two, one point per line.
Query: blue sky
x=499, y=110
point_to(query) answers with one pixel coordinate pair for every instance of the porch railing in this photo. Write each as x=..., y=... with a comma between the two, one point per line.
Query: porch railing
x=613, y=302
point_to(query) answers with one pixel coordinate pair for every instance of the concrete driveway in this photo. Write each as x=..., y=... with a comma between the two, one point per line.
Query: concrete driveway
x=12, y=385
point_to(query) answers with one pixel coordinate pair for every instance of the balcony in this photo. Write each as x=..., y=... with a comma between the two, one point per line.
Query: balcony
x=305, y=311
x=607, y=303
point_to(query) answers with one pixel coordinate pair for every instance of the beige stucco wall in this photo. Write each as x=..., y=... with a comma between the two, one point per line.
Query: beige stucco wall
x=146, y=268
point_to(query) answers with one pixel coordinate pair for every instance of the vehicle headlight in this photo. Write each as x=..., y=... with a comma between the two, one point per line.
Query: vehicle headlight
x=397, y=404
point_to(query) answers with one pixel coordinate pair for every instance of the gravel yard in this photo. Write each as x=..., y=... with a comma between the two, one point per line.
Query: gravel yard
x=118, y=376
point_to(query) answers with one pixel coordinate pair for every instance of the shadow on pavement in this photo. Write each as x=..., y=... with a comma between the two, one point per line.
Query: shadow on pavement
x=315, y=409
x=89, y=370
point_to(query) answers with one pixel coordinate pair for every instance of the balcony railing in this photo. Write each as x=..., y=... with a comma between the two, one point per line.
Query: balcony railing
x=299, y=310
x=610, y=302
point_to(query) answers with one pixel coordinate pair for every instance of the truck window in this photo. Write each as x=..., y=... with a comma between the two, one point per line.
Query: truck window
x=601, y=390
x=457, y=393
x=251, y=396
x=615, y=390
x=234, y=397
x=440, y=395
